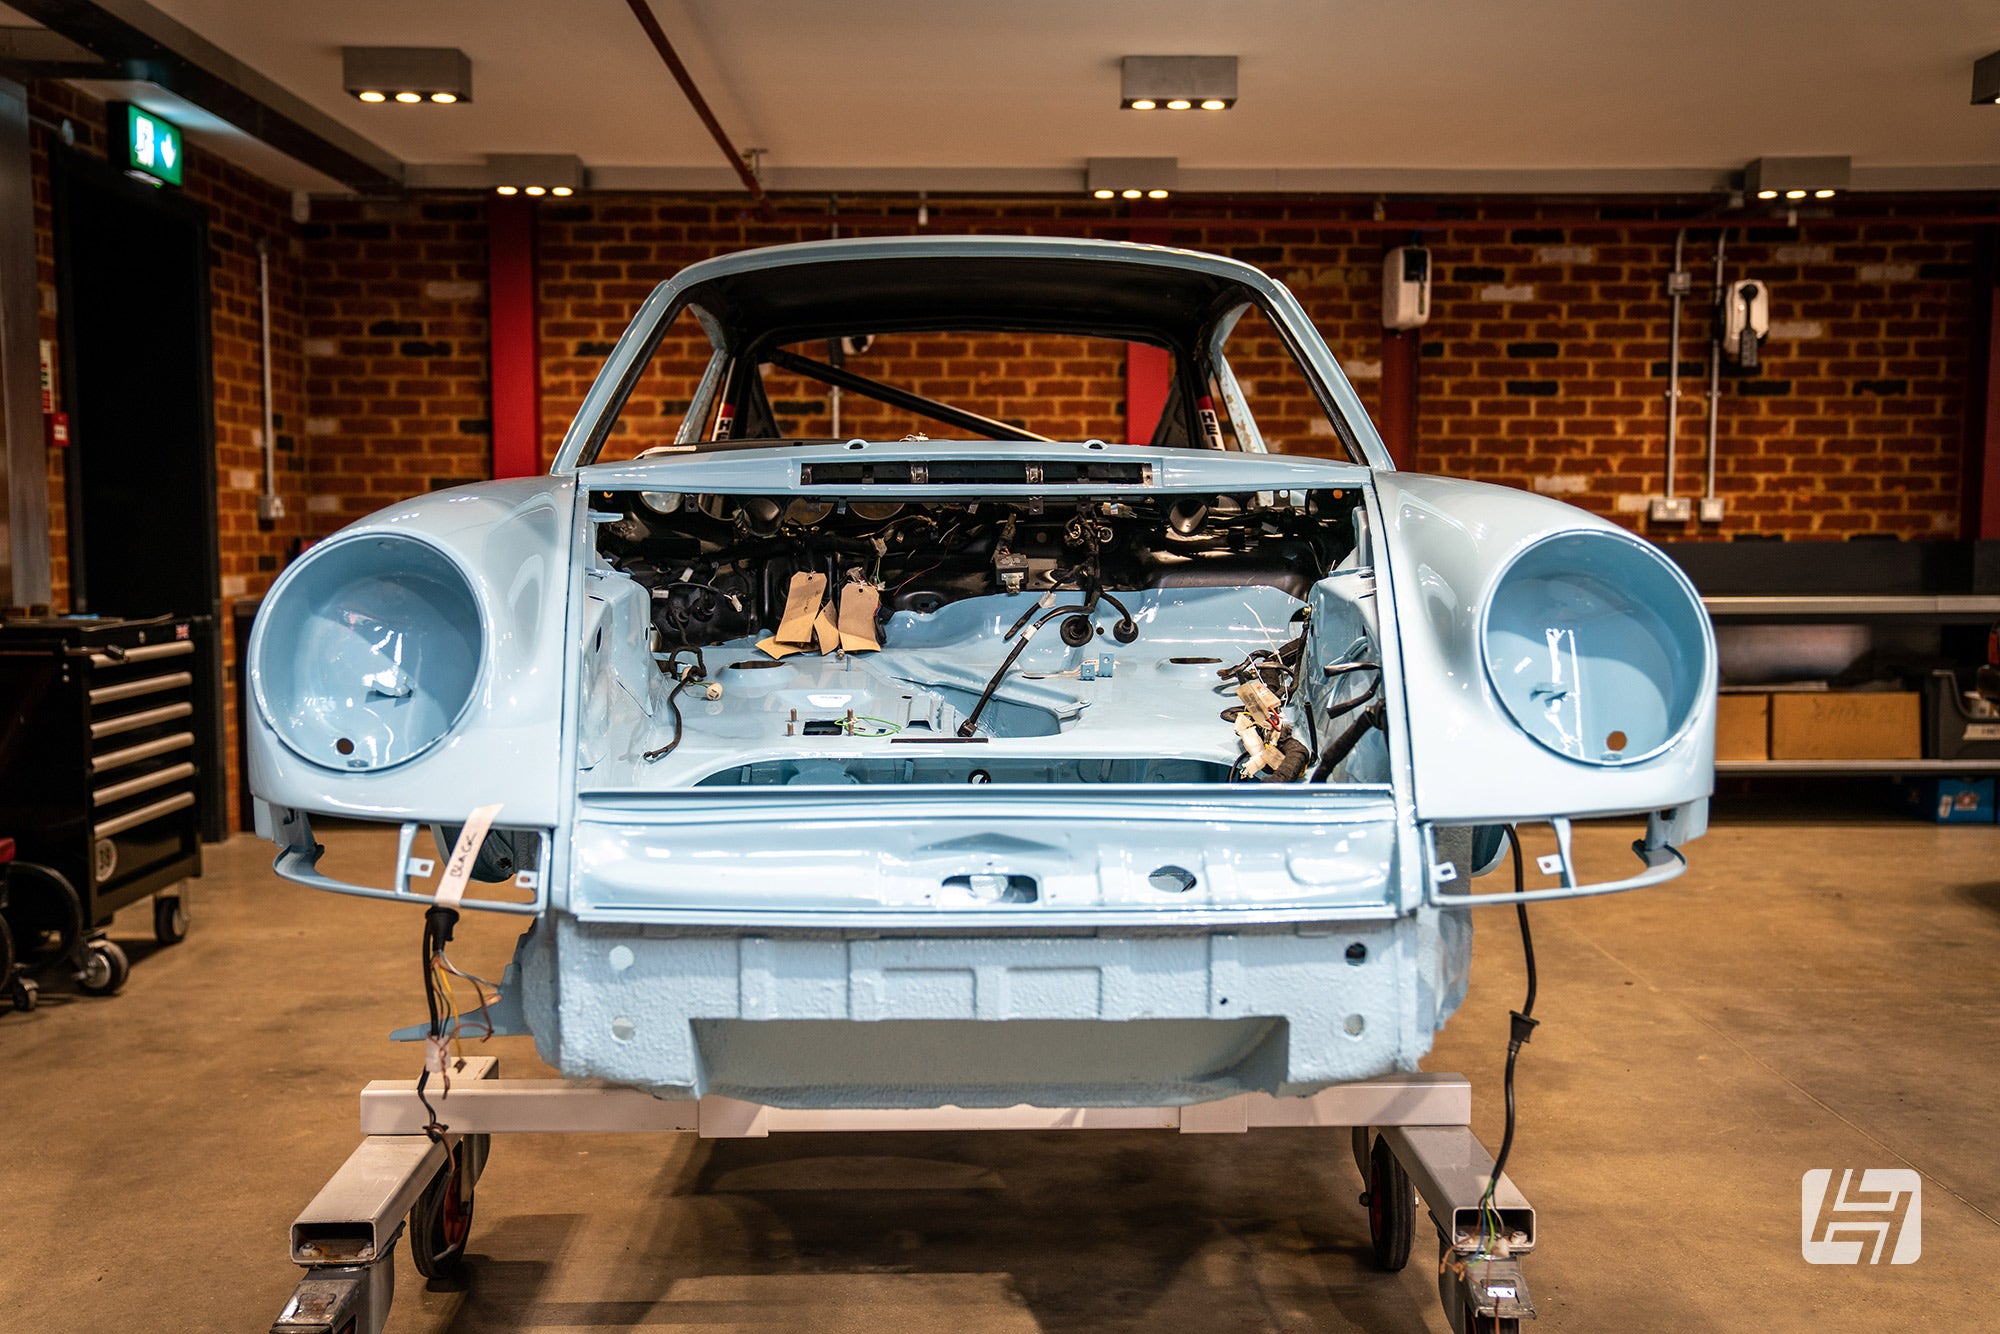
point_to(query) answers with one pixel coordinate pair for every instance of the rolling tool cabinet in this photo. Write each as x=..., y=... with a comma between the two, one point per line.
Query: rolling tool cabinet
x=97, y=780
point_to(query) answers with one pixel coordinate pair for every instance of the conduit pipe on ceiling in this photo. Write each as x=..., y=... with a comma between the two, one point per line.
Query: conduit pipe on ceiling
x=642, y=11
x=1181, y=222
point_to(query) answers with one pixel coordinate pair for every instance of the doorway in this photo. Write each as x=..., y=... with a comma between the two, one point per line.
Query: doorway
x=132, y=283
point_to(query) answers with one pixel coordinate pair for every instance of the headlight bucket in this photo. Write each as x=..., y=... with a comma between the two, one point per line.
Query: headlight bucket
x=368, y=652
x=1597, y=646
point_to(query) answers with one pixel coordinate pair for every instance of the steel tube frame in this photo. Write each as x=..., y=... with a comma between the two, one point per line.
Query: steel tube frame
x=346, y=1237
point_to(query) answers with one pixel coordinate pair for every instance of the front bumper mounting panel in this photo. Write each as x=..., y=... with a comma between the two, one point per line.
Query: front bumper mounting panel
x=346, y=1238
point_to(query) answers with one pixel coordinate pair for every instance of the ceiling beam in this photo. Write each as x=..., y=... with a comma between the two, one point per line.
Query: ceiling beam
x=36, y=53
x=145, y=44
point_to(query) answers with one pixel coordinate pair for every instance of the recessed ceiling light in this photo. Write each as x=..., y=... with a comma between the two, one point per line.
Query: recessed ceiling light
x=537, y=174
x=1986, y=80
x=1823, y=194
x=1794, y=177
x=440, y=73
x=1130, y=177
x=1156, y=194
x=507, y=189
x=1178, y=83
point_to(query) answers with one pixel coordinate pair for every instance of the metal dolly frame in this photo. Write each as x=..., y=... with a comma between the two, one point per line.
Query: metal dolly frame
x=1412, y=1140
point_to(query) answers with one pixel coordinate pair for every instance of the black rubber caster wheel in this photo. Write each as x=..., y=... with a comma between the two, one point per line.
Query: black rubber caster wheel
x=24, y=993
x=441, y=1222
x=105, y=969
x=170, y=919
x=1392, y=1208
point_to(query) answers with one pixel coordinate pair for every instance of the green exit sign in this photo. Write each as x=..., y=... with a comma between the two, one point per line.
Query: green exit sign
x=152, y=147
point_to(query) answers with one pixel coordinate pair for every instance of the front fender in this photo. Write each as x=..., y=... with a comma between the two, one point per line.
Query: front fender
x=1445, y=545
x=513, y=542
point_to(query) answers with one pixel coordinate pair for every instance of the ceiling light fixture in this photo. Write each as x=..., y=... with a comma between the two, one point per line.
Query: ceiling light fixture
x=535, y=174
x=406, y=74
x=1795, y=177
x=1986, y=80
x=1131, y=177
x=1178, y=83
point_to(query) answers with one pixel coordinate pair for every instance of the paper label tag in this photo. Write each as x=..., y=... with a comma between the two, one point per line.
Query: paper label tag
x=802, y=607
x=777, y=650
x=858, y=603
x=458, y=867
x=825, y=631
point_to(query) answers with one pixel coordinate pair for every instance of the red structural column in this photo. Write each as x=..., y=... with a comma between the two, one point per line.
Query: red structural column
x=515, y=350
x=1396, y=414
x=1148, y=370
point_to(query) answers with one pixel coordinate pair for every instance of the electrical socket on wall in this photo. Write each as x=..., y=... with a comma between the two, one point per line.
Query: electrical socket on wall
x=1711, y=509
x=1670, y=509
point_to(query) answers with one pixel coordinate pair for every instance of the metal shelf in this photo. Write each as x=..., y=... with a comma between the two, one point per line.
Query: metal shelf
x=1781, y=767
x=1943, y=606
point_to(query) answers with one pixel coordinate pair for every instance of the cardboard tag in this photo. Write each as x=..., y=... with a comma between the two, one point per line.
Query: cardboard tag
x=777, y=650
x=803, y=602
x=826, y=632
x=458, y=867
x=857, y=617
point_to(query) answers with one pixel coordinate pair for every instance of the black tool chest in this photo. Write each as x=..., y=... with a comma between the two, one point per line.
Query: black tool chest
x=97, y=754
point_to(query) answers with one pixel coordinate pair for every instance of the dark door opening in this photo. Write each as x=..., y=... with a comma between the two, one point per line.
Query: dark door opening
x=132, y=284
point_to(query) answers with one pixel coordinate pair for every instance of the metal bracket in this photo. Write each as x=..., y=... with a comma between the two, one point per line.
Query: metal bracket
x=1663, y=863
x=298, y=861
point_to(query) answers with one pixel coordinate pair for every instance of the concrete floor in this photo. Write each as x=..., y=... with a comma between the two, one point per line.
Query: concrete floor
x=1810, y=995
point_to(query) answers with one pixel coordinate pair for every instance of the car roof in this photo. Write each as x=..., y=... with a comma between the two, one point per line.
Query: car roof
x=1115, y=289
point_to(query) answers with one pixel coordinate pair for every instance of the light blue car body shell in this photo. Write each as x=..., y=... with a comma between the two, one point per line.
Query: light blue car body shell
x=1323, y=943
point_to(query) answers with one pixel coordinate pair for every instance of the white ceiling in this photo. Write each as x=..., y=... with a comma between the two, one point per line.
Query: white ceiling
x=1422, y=85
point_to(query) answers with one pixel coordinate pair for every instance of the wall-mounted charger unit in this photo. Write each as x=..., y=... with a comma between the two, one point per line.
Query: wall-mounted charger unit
x=1746, y=320
x=1406, y=287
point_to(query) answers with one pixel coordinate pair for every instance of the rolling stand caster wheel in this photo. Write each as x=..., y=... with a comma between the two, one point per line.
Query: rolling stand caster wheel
x=24, y=994
x=170, y=919
x=104, y=970
x=441, y=1221
x=1392, y=1208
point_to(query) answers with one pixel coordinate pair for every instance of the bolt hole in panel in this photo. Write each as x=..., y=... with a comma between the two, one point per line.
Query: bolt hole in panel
x=1171, y=879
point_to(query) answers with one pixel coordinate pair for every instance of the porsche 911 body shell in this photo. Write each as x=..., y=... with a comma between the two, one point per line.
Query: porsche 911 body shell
x=834, y=941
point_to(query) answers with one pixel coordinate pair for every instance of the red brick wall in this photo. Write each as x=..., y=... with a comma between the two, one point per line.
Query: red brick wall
x=241, y=209
x=395, y=353
x=1544, y=363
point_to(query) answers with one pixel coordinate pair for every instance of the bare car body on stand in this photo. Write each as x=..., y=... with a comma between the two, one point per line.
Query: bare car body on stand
x=878, y=772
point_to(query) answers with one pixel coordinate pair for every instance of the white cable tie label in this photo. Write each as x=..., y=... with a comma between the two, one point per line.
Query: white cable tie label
x=458, y=868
